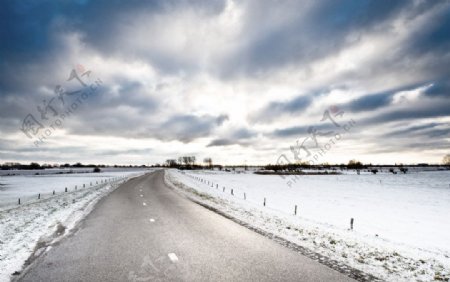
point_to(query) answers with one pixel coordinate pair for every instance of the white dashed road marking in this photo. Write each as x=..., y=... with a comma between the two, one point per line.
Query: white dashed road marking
x=142, y=195
x=144, y=204
x=173, y=257
x=152, y=220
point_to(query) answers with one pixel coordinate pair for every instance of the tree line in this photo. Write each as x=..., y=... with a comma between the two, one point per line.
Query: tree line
x=189, y=162
x=35, y=165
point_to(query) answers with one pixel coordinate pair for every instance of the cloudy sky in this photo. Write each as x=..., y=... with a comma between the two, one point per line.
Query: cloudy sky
x=138, y=82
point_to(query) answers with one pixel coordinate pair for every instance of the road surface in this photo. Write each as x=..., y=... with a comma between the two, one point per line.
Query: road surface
x=144, y=231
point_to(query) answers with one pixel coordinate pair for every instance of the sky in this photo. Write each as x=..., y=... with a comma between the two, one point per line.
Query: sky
x=242, y=82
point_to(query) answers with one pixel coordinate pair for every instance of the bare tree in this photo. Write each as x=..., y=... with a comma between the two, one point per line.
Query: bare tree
x=186, y=160
x=208, y=162
x=171, y=163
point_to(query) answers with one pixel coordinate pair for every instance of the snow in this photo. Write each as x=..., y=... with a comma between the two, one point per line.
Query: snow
x=29, y=228
x=401, y=222
x=26, y=185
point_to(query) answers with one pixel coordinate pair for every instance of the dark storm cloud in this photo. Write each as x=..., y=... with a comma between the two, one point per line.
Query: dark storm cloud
x=415, y=112
x=271, y=36
x=11, y=150
x=439, y=89
x=122, y=106
x=237, y=137
x=125, y=92
x=28, y=24
x=187, y=127
x=29, y=31
x=275, y=110
x=291, y=131
x=14, y=150
x=434, y=133
x=124, y=152
x=320, y=31
x=434, y=37
x=101, y=21
x=370, y=102
x=243, y=133
x=394, y=145
x=413, y=129
x=221, y=142
x=26, y=28
x=441, y=109
x=323, y=128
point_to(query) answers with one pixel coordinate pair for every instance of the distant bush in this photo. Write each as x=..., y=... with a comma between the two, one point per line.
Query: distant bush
x=374, y=171
x=34, y=166
x=97, y=169
x=354, y=164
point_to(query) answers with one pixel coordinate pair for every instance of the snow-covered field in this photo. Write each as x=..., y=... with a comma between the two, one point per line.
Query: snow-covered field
x=29, y=228
x=401, y=223
x=27, y=185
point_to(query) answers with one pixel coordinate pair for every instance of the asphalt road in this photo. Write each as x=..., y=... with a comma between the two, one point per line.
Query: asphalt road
x=144, y=231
